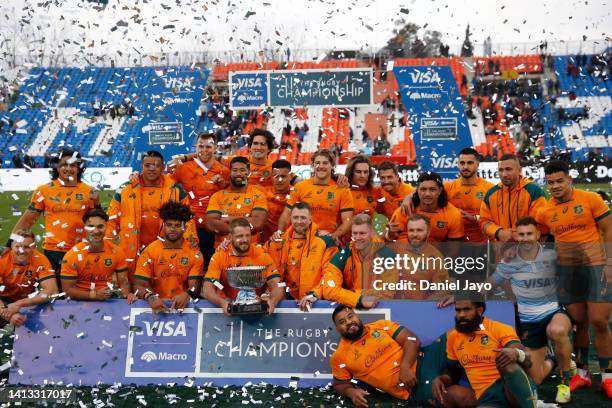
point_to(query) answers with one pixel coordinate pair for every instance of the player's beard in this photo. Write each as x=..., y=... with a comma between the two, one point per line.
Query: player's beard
x=471, y=326
x=355, y=335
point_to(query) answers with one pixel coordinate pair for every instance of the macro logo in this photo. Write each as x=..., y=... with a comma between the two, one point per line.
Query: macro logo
x=148, y=356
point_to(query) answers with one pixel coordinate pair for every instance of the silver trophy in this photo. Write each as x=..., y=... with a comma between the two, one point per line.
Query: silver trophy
x=247, y=279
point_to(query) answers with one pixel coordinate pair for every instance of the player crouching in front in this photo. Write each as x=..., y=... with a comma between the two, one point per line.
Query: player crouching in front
x=493, y=358
x=384, y=355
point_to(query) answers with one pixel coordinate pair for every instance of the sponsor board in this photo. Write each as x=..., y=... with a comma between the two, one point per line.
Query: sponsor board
x=91, y=343
x=341, y=87
x=104, y=178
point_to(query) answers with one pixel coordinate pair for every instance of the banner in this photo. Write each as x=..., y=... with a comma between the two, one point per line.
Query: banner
x=339, y=87
x=86, y=343
x=169, y=116
x=436, y=116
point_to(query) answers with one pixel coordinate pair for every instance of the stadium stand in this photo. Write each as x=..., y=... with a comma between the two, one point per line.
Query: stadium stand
x=559, y=103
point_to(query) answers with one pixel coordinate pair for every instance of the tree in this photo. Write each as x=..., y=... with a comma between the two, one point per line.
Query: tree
x=467, y=49
x=433, y=43
x=401, y=43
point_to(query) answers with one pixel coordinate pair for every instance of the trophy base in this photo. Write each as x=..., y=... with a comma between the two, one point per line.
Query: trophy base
x=238, y=309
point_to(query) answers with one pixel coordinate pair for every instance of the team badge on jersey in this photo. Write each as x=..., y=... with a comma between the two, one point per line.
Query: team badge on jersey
x=479, y=195
x=484, y=340
x=370, y=199
x=247, y=201
x=79, y=196
x=28, y=274
x=441, y=224
x=578, y=209
x=376, y=334
x=330, y=195
x=184, y=260
x=108, y=261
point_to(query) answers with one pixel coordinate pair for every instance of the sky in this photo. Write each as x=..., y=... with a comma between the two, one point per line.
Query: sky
x=154, y=26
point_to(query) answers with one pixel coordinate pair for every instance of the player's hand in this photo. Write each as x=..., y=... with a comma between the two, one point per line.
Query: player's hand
x=369, y=302
x=13, y=308
x=174, y=163
x=157, y=305
x=407, y=207
x=225, y=307
x=271, y=305
x=446, y=301
x=407, y=378
x=217, y=179
x=306, y=303
x=180, y=301
x=467, y=215
x=438, y=389
x=342, y=181
x=193, y=242
x=505, y=356
x=277, y=236
x=224, y=245
x=393, y=230
x=103, y=294
x=135, y=176
x=17, y=319
x=131, y=298
x=358, y=397
x=6, y=314
x=505, y=234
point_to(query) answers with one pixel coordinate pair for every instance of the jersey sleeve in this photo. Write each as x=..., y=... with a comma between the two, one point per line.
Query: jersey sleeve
x=197, y=269
x=599, y=209
x=37, y=201
x=69, y=269
x=215, y=267
x=455, y=226
x=294, y=196
x=392, y=328
x=44, y=268
x=338, y=367
x=346, y=200
x=450, y=347
x=120, y=261
x=259, y=202
x=333, y=277
x=506, y=334
x=502, y=273
x=399, y=219
x=214, y=205
x=271, y=272
x=144, y=266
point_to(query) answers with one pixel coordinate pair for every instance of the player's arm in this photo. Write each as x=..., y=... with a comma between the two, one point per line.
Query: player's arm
x=356, y=395
x=73, y=292
x=258, y=219
x=47, y=288
x=345, y=226
x=277, y=292
x=605, y=226
x=451, y=376
x=27, y=220
x=211, y=293
x=283, y=220
x=488, y=227
x=410, y=343
x=213, y=289
x=513, y=352
x=142, y=289
x=124, y=283
x=216, y=224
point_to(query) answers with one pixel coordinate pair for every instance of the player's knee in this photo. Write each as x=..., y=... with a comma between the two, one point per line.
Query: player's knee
x=556, y=332
x=601, y=326
x=458, y=396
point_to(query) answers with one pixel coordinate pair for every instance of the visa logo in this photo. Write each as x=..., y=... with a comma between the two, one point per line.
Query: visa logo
x=424, y=77
x=165, y=329
x=444, y=162
x=249, y=82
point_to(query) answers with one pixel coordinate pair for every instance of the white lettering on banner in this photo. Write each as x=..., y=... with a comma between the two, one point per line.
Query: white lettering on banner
x=149, y=356
x=248, y=82
x=444, y=162
x=164, y=329
x=424, y=77
x=603, y=172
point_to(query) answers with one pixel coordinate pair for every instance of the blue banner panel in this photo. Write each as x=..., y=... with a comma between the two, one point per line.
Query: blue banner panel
x=435, y=115
x=335, y=87
x=170, y=115
x=248, y=90
x=86, y=343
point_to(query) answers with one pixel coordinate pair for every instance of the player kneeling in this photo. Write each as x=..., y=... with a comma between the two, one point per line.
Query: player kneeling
x=384, y=355
x=493, y=358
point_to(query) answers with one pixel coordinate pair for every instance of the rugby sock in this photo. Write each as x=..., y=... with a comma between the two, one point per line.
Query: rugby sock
x=519, y=385
x=565, y=377
x=582, y=360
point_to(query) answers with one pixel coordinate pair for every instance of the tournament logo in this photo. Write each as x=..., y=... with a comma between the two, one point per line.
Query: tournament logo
x=484, y=340
x=578, y=209
x=108, y=261
x=184, y=260
x=441, y=224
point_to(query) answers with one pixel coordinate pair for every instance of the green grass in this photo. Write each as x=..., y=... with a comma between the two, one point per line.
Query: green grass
x=12, y=203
